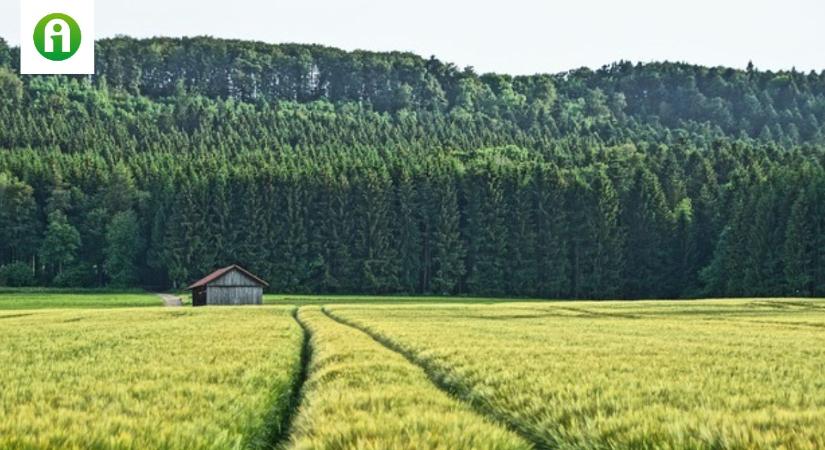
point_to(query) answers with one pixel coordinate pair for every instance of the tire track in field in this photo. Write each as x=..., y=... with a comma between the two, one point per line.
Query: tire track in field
x=281, y=428
x=13, y=316
x=449, y=386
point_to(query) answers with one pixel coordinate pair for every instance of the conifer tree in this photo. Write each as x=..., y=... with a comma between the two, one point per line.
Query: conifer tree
x=800, y=253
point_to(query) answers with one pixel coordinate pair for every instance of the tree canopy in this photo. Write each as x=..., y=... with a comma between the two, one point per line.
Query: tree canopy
x=328, y=171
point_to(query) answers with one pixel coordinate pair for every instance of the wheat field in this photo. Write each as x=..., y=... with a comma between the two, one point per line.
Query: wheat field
x=371, y=374
x=675, y=375
x=145, y=378
x=361, y=395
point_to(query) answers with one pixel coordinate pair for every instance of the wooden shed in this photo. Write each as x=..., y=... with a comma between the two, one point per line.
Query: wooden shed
x=231, y=285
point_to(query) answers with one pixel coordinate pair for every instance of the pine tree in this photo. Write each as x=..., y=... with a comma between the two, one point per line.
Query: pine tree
x=407, y=231
x=683, y=263
x=521, y=234
x=800, y=255
x=552, y=235
x=447, y=248
x=647, y=224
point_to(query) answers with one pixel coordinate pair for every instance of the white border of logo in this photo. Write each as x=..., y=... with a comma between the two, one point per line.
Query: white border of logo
x=32, y=62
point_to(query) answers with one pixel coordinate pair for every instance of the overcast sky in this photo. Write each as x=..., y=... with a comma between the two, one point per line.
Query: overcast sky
x=515, y=36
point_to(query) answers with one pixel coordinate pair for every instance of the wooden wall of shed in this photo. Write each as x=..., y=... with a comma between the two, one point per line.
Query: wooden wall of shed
x=234, y=278
x=234, y=295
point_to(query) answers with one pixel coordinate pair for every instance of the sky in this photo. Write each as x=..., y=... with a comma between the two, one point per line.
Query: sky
x=515, y=36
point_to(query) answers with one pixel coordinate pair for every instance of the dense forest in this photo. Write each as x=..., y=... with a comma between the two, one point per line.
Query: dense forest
x=327, y=171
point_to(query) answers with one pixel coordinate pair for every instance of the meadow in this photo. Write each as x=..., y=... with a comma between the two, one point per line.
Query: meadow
x=388, y=373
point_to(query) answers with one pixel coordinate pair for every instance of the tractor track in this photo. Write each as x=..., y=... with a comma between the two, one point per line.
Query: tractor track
x=281, y=430
x=454, y=390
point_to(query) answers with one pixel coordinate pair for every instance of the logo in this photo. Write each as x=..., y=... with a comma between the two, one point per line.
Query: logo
x=57, y=37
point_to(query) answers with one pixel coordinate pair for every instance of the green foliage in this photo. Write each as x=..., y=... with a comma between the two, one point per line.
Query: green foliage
x=60, y=243
x=19, y=227
x=123, y=247
x=16, y=275
x=11, y=87
x=75, y=276
x=333, y=172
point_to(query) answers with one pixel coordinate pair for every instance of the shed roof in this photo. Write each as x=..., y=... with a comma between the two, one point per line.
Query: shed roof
x=223, y=271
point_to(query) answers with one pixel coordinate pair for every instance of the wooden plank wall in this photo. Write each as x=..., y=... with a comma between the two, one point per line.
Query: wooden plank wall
x=234, y=295
x=234, y=278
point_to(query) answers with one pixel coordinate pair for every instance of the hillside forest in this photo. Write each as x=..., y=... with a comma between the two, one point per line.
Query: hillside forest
x=326, y=171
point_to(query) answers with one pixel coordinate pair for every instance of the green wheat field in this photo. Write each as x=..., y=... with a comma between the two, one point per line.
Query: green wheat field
x=98, y=370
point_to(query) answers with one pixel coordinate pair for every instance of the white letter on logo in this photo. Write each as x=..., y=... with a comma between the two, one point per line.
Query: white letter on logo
x=58, y=27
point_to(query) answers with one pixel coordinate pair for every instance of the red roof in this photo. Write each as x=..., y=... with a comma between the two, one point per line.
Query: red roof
x=221, y=272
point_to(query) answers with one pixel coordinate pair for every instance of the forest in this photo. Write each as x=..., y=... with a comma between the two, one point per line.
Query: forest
x=327, y=171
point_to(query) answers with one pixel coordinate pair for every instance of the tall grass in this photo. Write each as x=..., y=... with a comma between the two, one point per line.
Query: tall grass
x=701, y=375
x=41, y=298
x=359, y=395
x=156, y=378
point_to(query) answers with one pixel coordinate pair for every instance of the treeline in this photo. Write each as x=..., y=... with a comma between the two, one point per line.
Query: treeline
x=334, y=172
x=786, y=107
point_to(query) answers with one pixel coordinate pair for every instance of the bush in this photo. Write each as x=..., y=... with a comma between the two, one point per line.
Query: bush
x=77, y=276
x=16, y=275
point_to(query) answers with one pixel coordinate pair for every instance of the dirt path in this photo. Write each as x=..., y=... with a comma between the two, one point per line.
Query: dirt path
x=170, y=300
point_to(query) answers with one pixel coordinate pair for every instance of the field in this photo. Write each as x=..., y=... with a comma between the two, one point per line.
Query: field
x=377, y=373
x=146, y=378
x=725, y=374
x=362, y=395
x=35, y=298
